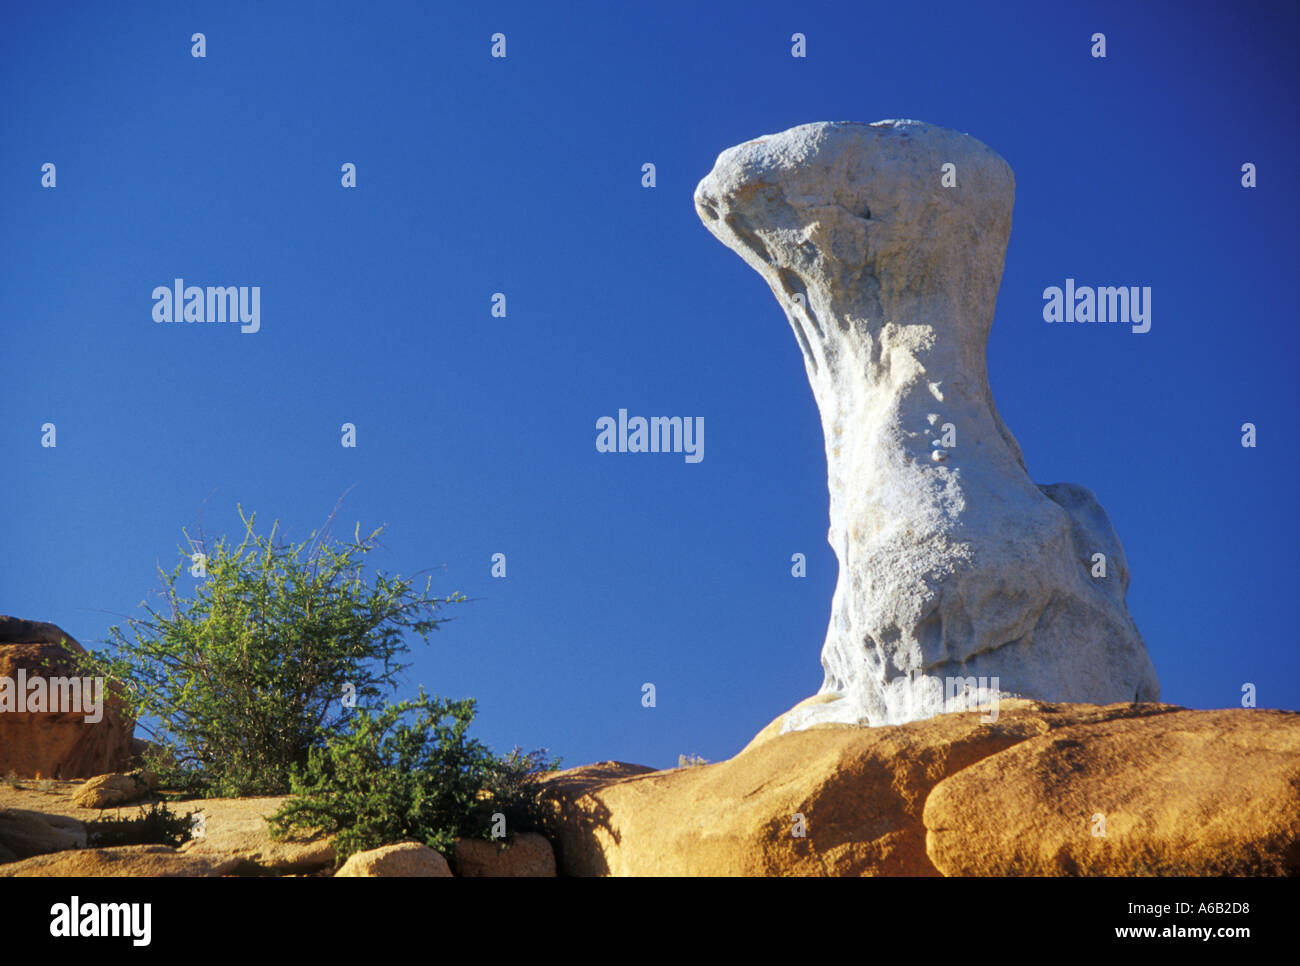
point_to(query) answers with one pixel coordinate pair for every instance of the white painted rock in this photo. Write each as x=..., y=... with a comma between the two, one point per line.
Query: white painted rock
x=953, y=563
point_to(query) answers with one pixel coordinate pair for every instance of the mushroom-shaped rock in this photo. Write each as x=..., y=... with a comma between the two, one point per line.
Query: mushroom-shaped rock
x=957, y=573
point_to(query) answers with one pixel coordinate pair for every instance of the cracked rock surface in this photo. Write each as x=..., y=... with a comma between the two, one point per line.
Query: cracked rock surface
x=954, y=564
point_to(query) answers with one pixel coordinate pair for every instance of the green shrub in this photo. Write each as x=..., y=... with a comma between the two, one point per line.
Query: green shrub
x=389, y=778
x=511, y=789
x=238, y=683
x=158, y=826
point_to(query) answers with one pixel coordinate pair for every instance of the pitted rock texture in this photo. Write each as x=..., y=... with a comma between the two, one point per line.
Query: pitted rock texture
x=953, y=563
x=1185, y=793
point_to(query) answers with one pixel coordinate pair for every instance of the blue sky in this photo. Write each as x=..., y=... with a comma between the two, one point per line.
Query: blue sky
x=476, y=435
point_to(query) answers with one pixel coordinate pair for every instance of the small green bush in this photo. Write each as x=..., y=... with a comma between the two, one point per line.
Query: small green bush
x=237, y=683
x=158, y=826
x=389, y=778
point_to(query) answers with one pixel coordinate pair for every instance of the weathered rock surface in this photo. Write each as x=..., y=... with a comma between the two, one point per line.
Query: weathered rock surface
x=123, y=861
x=233, y=828
x=529, y=855
x=1186, y=793
x=954, y=565
x=55, y=744
x=400, y=861
x=237, y=827
x=24, y=833
x=1181, y=793
x=45, y=795
x=860, y=793
x=105, y=791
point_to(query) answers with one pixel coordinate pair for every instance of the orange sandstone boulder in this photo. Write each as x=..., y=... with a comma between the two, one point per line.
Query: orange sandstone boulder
x=529, y=855
x=836, y=800
x=405, y=860
x=54, y=743
x=105, y=791
x=1189, y=793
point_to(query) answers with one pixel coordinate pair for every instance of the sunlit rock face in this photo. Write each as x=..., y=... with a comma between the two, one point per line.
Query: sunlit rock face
x=954, y=564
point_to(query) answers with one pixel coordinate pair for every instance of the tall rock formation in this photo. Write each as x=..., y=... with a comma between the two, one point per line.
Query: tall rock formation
x=954, y=565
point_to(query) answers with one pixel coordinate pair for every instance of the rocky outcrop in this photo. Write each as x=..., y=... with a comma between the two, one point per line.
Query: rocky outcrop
x=957, y=572
x=835, y=800
x=1041, y=789
x=24, y=833
x=529, y=855
x=53, y=743
x=237, y=827
x=405, y=860
x=1187, y=793
x=1182, y=793
x=105, y=791
x=145, y=861
x=227, y=828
